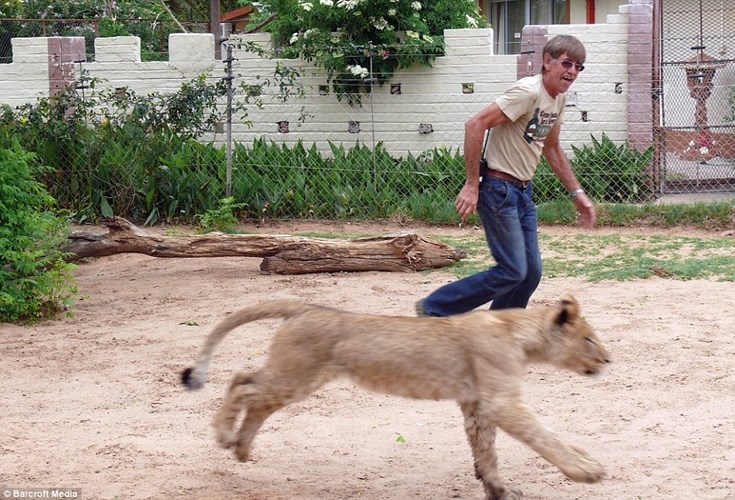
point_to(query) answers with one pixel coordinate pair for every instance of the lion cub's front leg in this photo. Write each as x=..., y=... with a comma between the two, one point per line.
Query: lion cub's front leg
x=576, y=464
x=481, y=436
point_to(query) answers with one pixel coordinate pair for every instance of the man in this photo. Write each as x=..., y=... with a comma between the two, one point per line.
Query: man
x=523, y=124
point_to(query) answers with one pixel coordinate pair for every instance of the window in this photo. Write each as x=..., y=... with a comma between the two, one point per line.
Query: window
x=508, y=17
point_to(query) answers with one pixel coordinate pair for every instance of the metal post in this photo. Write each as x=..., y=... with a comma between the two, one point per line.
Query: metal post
x=228, y=126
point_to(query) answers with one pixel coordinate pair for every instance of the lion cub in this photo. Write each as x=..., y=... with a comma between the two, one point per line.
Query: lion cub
x=478, y=359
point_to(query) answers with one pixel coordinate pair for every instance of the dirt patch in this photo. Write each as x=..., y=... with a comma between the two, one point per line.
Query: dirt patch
x=93, y=402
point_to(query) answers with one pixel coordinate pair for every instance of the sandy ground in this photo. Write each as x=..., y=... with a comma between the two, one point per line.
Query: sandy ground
x=93, y=402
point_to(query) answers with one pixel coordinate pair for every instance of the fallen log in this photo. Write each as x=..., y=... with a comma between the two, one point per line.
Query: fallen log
x=282, y=254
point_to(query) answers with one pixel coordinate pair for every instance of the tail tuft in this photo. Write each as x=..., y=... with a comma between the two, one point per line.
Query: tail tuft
x=190, y=380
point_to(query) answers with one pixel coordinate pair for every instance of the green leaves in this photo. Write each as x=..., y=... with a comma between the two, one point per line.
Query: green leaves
x=609, y=172
x=613, y=173
x=34, y=279
x=356, y=41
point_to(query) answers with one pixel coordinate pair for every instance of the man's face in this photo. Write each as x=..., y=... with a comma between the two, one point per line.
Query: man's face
x=560, y=73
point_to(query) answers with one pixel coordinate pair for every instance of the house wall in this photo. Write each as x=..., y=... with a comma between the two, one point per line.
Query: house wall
x=429, y=96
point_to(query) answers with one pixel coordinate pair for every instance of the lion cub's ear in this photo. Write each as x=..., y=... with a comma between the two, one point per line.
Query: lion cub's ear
x=568, y=310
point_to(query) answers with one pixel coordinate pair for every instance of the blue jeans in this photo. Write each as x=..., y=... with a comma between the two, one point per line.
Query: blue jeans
x=509, y=218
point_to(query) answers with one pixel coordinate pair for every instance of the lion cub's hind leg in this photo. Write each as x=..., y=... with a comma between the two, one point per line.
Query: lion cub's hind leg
x=260, y=394
x=226, y=416
x=481, y=436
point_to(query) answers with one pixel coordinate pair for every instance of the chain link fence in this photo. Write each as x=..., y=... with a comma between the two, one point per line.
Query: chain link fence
x=153, y=33
x=697, y=89
x=176, y=153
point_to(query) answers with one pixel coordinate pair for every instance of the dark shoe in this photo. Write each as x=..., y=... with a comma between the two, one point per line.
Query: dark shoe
x=420, y=311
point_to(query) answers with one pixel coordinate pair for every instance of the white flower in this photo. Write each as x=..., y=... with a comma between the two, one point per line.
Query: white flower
x=391, y=12
x=358, y=70
x=428, y=39
x=416, y=5
x=471, y=23
x=307, y=6
x=412, y=34
x=380, y=24
x=328, y=3
x=347, y=4
x=294, y=38
x=310, y=32
x=703, y=150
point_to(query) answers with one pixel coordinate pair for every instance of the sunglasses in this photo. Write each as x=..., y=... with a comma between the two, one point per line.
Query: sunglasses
x=568, y=65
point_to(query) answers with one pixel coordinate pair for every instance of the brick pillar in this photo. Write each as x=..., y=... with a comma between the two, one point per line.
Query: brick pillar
x=63, y=52
x=533, y=38
x=640, y=72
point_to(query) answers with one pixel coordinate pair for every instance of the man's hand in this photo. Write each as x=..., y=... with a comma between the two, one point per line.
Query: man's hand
x=466, y=201
x=586, y=214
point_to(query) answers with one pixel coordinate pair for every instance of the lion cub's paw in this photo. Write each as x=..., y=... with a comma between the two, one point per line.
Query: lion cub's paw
x=242, y=452
x=226, y=438
x=505, y=493
x=583, y=468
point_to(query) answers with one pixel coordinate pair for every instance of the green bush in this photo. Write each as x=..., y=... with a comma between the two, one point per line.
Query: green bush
x=275, y=181
x=140, y=157
x=112, y=152
x=35, y=280
x=616, y=173
x=609, y=172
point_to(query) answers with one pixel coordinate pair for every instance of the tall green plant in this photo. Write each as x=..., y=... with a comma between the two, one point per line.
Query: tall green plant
x=34, y=279
x=615, y=173
x=609, y=172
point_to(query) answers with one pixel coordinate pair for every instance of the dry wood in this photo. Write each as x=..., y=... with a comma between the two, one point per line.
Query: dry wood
x=282, y=254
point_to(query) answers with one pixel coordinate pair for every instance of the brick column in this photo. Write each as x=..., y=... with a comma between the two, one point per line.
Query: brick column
x=640, y=72
x=63, y=52
x=533, y=38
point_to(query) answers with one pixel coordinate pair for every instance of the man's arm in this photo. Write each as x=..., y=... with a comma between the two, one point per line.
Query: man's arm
x=563, y=170
x=474, y=133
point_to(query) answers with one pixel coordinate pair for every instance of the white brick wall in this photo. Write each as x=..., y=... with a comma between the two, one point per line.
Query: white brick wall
x=429, y=95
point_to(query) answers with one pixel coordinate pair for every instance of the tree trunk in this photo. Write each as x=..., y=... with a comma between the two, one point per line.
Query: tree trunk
x=282, y=254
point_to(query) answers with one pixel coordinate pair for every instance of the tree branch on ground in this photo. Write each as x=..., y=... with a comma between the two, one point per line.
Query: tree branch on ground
x=282, y=254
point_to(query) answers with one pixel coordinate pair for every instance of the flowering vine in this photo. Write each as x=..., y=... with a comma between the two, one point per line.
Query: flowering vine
x=358, y=42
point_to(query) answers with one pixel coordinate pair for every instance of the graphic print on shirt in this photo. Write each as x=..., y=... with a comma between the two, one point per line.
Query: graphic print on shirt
x=539, y=126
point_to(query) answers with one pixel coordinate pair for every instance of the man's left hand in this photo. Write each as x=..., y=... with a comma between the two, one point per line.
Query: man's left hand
x=586, y=214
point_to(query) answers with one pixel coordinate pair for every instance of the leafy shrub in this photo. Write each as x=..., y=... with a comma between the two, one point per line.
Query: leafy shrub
x=222, y=218
x=109, y=151
x=139, y=157
x=354, y=42
x=276, y=181
x=609, y=172
x=34, y=279
x=615, y=173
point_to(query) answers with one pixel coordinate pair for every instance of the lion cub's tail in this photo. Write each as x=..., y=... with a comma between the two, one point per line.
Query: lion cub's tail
x=194, y=377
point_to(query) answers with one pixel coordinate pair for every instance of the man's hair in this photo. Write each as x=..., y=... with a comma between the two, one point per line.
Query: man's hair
x=565, y=43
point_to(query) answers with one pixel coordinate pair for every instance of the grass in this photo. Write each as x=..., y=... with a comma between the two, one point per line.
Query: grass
x=616, y=257
x=624, y=255
x=703, y=215
x=596, y=257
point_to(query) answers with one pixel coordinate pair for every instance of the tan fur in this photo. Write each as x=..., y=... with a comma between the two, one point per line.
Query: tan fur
x=477, y=359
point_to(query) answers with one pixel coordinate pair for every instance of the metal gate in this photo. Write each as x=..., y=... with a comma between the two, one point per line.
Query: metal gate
x=697, y=107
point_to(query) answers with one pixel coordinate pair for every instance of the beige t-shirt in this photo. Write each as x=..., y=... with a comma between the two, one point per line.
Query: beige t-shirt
x=515, y=146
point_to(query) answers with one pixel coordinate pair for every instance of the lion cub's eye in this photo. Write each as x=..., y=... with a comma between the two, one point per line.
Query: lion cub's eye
x=590, y=340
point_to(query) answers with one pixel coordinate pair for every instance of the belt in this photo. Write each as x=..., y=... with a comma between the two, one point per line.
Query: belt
x=507, y=177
